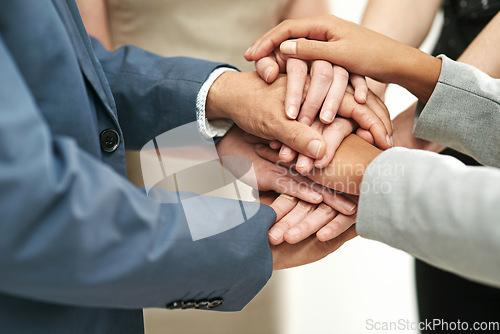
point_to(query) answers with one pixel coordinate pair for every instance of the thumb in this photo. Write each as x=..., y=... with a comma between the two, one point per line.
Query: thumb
x=302, y=138
x=267, y=68
x=310, y=50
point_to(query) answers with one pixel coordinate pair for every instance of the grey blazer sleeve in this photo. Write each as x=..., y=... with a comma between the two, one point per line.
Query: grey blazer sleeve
x=464, y=113
x=436, y=209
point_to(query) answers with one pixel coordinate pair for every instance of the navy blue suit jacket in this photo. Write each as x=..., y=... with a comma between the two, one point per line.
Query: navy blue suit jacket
x=81, y=249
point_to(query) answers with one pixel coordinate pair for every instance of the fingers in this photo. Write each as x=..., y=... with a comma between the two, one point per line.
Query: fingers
x=282, y=205
x=249, y=138
x=274, y=144
x=267, y=68
x=297, y=72
x=379, y=107
x=360, y=86
x=287, y=154
x=321, y=80
x=334, y=134
x=335, y=94
x=307, y=49
x=292, y=218
x=336, y=200
x=311, y=223
x=301, y=138
x=366, y=136
x=306, y=28
x=305, y=164
x=367, y=118
x=268, y=153
x=336, y=227
x=307, y=251
x=296, y=186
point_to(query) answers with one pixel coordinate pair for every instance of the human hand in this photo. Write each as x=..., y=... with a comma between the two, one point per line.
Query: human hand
x=258, y=108
x=341, y=128
x=346, y=171
x=297, y=220
x=333, y=133
x=271, y=176
x=330, y=96
x=357, y=49
x=311, y=249
x=328, y=84
x=403, y=129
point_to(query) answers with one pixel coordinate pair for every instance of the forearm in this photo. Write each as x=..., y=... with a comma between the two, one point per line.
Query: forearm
x=306, y=8
x=406, y=21
x=419, y=73
x=484, y=52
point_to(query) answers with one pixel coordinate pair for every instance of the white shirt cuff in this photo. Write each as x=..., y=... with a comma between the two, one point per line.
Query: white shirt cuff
x=218, y=127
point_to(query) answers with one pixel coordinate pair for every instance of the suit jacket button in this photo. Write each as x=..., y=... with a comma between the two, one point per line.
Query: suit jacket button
x=174, y=305
x=109, y=140
x=215, y=303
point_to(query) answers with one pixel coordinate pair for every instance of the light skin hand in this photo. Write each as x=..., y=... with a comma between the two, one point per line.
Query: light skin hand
x=271, y=176
x=286, y=255
x=334, y=134
x=370, y=113
x=258, y=108
x=311, y=249
x=328, y=84
x=297, y=220
x=345, y=173
x=347, y=44
x=327, y=92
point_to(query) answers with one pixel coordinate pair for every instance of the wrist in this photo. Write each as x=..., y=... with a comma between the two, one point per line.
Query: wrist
x=219, y=96
x=419, y=73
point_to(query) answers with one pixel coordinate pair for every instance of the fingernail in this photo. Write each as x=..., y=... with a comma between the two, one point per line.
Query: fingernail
x=318, y=198
x=390, y=141
x=305, y=120
x=302, y=167
x=327, y=116
x=363, y=98
x=289, y=47
x=268, y=73
x=272, y=236
x=314, y=148
x=248, y=50
x=288, y=197
x=292, y=112
x=349, y=207
x=286, y=151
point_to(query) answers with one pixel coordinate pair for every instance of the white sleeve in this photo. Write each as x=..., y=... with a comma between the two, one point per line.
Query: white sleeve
x=215, y=128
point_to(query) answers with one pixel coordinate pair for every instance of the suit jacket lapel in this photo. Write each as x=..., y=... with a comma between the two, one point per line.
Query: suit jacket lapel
x=89, y=64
